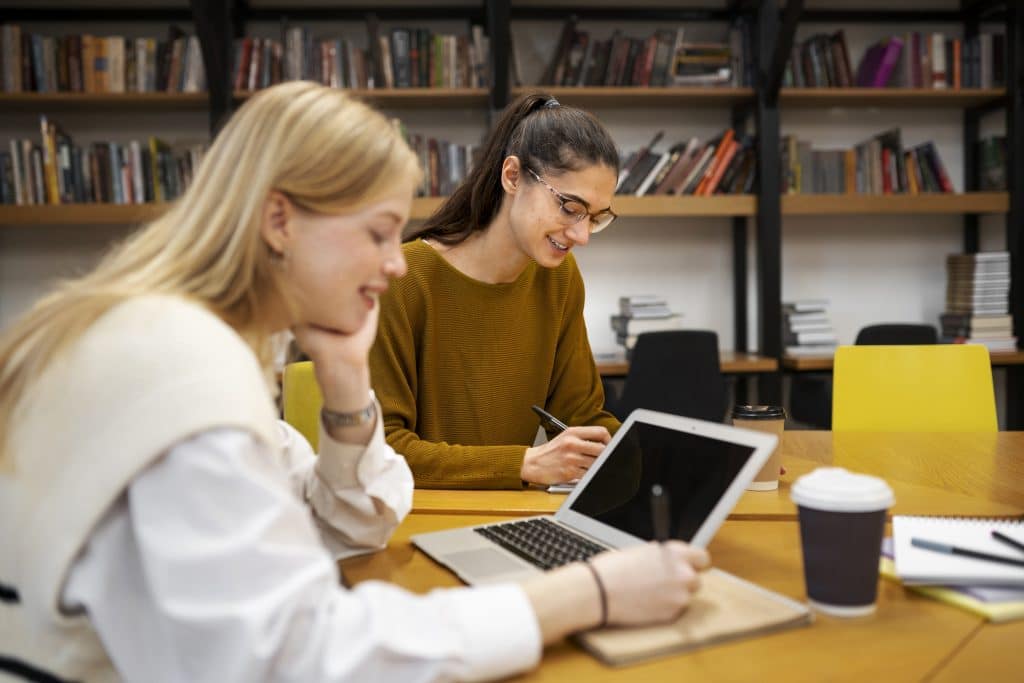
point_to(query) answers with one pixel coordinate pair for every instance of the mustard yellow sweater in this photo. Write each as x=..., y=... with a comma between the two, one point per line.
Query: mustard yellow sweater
x=458, y=362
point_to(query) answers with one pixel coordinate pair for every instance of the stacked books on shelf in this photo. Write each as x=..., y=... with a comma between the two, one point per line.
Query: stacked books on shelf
x=880, y=165
x=445, y=164
x=56, y=171
x=910, y=60
x=662, y=59
x=978, y=301
x=30, y=62
x=399, y=58
x=807, y=328
x=724, y=164
x=640, y=313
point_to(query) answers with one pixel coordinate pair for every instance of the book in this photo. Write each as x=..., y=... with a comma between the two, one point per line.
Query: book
x=725, y=608
x=920, y=566
x=994, y=604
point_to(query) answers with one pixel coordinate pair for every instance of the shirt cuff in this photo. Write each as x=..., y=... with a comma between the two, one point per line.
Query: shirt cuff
x=499, y=647
x=338, y=463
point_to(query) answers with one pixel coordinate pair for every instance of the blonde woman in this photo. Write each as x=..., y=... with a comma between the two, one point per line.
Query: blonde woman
x=158, y=523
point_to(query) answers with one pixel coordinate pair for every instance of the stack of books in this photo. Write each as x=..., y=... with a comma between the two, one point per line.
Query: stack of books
x=807, y=330
x=978, y=301
x=641, y=313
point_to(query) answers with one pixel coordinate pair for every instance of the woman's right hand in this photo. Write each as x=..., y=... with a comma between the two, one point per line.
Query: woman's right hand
x=650, y=583
x=565, y=458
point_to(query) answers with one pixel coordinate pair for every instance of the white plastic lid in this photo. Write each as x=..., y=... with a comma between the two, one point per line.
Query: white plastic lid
x=839, y=490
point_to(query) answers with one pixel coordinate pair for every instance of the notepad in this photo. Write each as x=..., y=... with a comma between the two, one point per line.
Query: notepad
x=919, y=566
x=725, y=608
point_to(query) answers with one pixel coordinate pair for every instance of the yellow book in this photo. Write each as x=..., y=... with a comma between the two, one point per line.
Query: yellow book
x=960, y=597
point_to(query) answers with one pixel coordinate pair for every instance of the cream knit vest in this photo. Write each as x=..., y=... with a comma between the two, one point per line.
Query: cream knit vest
x=150, y=372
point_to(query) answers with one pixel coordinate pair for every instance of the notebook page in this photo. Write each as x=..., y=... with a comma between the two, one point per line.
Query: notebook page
x=920, y=566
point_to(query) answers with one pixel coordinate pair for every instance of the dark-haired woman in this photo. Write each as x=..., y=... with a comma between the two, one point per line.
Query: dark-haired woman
x=489, y=318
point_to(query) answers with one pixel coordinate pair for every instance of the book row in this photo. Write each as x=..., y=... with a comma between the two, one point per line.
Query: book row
x=30, y=62
x=910, y=60
x=880, y=165
x=664, y=58
x=400, y=58
x=56, y=171
x=724, y=164
x=445, y=164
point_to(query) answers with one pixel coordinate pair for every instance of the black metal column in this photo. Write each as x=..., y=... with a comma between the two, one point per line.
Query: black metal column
x=498, y=28
x=1015, y=216
x=213, y=27
x=769, y=203
x=972, y=121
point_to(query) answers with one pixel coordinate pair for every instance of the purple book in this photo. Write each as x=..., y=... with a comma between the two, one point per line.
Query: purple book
x=869, y=65
x=893, y=47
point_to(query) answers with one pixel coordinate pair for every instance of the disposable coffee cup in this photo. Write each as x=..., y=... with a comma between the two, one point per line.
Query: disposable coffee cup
x=842, y=519
x=771, y=419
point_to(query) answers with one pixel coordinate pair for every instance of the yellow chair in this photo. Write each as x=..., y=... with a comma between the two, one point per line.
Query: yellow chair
x=301, y=400
x=933, y=388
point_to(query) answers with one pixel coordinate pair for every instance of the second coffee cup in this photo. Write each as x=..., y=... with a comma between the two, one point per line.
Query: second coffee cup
x=771, y=419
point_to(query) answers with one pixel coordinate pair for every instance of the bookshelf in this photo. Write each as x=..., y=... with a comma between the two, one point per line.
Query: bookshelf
x=894, y=204
x=645, y=97
x=410, y=97
x=890, y=97
x=64, y=101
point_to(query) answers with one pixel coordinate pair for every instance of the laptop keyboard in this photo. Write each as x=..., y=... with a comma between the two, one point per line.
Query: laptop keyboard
x=541, y=542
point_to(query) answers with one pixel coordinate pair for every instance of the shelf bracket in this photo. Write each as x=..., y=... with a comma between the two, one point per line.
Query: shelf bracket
x=772, y=80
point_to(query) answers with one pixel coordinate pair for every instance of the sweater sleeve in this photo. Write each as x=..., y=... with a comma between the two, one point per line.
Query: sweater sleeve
x=433, y=464
x=576, y=390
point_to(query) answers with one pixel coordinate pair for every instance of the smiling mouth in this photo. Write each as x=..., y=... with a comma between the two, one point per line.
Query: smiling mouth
x=558, y=245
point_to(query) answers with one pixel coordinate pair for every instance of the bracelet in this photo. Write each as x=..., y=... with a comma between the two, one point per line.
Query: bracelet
x=356, y=418
x=602, y=593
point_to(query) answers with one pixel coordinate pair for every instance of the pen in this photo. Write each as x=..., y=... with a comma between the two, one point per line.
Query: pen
x=1007, y=540
x=549, y=419
x=659, y=512
x=954, y=550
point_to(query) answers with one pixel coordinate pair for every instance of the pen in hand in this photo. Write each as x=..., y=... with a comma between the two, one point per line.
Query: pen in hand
x=549, y=420
x=659, y=512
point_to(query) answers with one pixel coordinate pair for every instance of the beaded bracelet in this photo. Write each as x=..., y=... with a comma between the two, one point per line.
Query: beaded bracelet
x=602, y=593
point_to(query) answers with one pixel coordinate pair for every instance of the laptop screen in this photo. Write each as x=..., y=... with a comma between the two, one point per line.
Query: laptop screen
x=695, y=470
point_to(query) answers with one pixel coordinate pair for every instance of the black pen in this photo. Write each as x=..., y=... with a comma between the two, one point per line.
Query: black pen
x=1007, y=540
x=549, y=419
x=954, y=550
x=659, y=512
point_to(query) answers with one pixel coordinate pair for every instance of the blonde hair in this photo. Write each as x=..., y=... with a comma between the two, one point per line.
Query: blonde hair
x=325, y=151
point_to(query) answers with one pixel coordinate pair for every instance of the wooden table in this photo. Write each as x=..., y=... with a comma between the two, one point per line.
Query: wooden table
x=963, y=474
x=907, y=639
x=732, y=362
x=820, y=363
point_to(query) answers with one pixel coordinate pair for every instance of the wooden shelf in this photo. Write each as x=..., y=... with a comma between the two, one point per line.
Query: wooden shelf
x=859, y=204
x=160, y=101
x=889, y=97
x=668, y=206
x=411, y=97
x=732, y=362
x=643, y=97
x=811, y=363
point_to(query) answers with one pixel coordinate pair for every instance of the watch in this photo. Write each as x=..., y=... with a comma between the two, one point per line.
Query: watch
x=355, y=418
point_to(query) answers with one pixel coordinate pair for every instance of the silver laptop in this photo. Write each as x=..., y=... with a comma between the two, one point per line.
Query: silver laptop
x=702, y=469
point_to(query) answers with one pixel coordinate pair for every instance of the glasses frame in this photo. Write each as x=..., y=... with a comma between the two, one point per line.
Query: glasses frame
x=562, y=199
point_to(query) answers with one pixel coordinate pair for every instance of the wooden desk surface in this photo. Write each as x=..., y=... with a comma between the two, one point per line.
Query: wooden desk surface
x=976, y=475
x=906, y=639
x=810, y=363
x=732, y=362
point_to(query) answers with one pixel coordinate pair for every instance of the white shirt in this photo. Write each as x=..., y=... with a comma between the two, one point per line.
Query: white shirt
x=208, y=569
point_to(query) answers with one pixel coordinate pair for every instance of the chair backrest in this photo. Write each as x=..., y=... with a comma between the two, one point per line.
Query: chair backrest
x=936, y=388
x=301, y=400
x=677, y=372
x=897, y=333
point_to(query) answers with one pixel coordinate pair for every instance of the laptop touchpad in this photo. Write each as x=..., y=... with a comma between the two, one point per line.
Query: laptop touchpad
x=483, y=562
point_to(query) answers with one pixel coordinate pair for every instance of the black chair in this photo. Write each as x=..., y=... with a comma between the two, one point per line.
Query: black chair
x=676, y=372
x=810, y=394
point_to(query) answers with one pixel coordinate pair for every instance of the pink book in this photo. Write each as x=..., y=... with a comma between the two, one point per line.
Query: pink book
x=893, y=47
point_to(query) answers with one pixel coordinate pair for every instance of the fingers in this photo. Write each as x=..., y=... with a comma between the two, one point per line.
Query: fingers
x=590, y=433
x=698, y=558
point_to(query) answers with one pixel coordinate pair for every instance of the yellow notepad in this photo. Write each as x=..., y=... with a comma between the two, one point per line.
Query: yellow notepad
x=958, y=596
x=726, y=607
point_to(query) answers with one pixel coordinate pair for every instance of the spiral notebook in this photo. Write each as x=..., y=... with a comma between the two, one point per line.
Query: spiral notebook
x=919, y=566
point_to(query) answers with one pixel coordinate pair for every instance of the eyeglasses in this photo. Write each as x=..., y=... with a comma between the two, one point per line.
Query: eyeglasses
x=572, y=210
